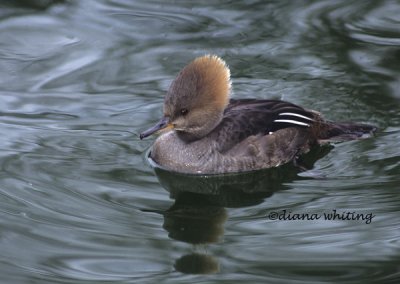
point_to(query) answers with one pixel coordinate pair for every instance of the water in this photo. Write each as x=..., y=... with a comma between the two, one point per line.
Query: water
x=79, y=202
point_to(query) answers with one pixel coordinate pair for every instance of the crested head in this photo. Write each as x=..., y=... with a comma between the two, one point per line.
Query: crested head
x=198, y=96
x=205, y=80
x=214, y=78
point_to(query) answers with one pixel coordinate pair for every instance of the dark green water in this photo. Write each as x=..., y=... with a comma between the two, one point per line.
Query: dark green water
x=79, y=202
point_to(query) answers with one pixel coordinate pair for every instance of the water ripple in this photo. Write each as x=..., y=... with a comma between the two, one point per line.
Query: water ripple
x=103, y=268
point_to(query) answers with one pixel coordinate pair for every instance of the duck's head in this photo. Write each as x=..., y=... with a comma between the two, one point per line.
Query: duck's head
x=196, y=99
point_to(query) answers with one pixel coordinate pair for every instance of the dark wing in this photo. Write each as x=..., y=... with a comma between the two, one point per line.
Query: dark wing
x=247, y=117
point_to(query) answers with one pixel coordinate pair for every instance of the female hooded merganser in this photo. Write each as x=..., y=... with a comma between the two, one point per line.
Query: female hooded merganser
x=204, y=131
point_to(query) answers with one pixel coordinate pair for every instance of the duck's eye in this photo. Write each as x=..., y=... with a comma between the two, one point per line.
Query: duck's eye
x=184, y=111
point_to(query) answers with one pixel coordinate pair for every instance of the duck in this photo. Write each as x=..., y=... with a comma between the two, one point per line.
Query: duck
x=205, y=131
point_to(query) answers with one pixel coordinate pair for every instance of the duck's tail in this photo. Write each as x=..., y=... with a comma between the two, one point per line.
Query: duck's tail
x=344, y=131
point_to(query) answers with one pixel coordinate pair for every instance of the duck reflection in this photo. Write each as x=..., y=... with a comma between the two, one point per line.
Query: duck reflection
x=199, y=212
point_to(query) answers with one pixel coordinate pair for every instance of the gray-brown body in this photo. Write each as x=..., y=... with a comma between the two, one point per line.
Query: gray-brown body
x=203, y=156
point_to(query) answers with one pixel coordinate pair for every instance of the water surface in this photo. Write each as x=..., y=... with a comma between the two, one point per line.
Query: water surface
x=79, y=202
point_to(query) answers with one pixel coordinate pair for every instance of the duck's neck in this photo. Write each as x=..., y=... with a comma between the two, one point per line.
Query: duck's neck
x=188, y=137
x=200, y=131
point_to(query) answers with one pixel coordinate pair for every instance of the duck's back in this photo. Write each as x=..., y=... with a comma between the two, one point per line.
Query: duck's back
x=244, y=119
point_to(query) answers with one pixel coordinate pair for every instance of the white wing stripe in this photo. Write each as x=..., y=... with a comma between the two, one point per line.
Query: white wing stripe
x=296, y=114
x=292, y=121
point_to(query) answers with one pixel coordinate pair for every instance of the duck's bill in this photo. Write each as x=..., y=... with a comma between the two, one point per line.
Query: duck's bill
x=163, y=124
